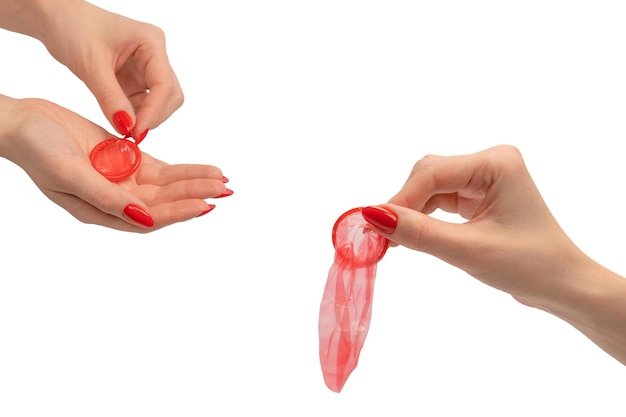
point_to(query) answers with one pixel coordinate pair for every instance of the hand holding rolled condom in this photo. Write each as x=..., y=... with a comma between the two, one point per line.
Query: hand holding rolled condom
x=116, y=158
x=346, y=307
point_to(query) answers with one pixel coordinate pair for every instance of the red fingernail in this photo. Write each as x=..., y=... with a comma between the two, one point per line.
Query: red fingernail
x=224, y=179
x=141, y=137
x=226, y=193
x=381, y=218
x=139, y=215
x=122, y=122
x=211, y=207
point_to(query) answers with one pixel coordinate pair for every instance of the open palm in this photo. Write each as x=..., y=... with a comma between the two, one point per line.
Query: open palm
x=52, y=145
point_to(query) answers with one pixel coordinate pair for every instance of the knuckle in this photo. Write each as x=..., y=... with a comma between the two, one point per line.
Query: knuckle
x=418, y=236
x=426, y=162
x=509, y=156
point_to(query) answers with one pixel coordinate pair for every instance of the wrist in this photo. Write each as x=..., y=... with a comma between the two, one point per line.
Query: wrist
x=591, y=299
x=595, y=295
x=7, y=104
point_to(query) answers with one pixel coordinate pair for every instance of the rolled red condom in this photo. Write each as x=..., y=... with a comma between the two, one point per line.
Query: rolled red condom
x=346, y=307
x=116, y=158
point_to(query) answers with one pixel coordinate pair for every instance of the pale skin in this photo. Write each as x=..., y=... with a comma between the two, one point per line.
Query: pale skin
x=52, y=145
x=124, y=64
x=510, y=240
x=119, y=59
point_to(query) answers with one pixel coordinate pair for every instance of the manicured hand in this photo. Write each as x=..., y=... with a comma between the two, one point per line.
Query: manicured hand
x=52, y=145
x=122, y=61
x=506, y=238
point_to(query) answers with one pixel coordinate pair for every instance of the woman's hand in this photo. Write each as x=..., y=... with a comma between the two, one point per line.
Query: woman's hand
x=510, y=240
x=52, y=145
x=122, y=61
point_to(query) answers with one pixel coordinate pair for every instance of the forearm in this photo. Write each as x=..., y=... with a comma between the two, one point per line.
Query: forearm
x=603, y=318
x=597, y=308
x=32, y=17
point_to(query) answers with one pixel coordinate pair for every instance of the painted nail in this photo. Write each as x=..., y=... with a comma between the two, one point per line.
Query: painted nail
x=381, y=218
x=139, y=215
x=122, y=122
x=224, y=179
x=211, y=207
x=141, y=137
x=226, y=193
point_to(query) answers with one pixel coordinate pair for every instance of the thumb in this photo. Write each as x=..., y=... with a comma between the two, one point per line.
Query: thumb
x=107, y=201
x=451, y=242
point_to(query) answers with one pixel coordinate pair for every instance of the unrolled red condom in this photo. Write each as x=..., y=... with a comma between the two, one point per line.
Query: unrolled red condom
x=115, y=158
x=346, y=306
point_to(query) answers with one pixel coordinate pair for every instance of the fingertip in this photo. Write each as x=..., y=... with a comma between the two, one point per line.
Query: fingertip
x=380, y=217
x=138, y=215
x=122, y=121
x=401, y=225
x=141, y=136
x=208, y=210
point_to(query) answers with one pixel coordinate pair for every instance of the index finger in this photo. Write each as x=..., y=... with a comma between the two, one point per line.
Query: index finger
x=465, y=175
x=165, y=95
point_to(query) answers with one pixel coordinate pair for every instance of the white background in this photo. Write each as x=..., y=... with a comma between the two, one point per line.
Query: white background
x=312, y=108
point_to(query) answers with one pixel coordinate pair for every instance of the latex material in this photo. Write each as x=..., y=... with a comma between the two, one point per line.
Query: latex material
x=115, y=158
x=346, y=307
